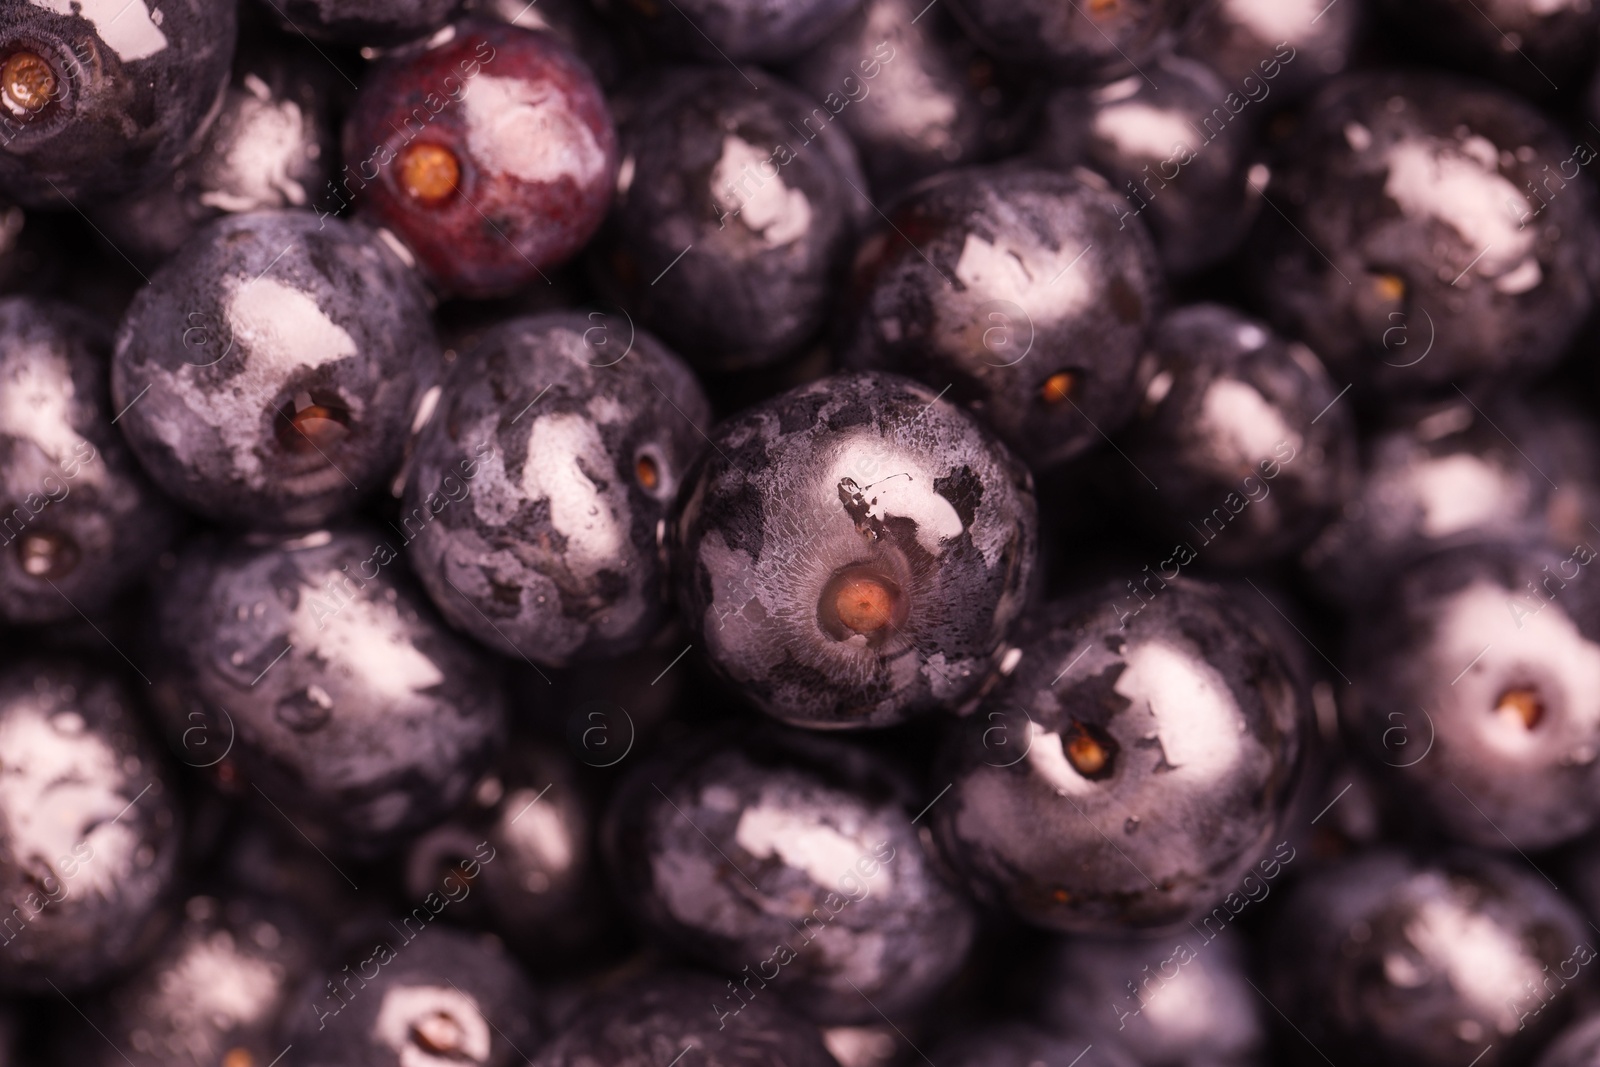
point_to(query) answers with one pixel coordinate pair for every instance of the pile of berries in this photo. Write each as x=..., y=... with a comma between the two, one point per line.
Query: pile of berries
x=799, y=533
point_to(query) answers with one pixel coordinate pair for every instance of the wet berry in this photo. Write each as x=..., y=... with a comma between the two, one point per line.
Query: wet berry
x=78, y=520
x=90, y=825
x=350, y=704
x=268, y=375
x=1028, y=294
x=1134, y=767
x=97, y=100
x=793, y=861
x=489, y=152
x=534, y=505
x=853, y=552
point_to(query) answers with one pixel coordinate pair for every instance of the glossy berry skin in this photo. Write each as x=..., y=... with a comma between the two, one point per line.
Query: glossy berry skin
x=106, y=100
x=82, y=888
x=1078, y=42
x=1009, y=1044
x=538, y=488
x=1174, y=162
x=1144, y=784
x=409, y=994
x=376, y=720
x=846, y=911
x=543, y=893
x=269, y=373
x=365, y=22
x=632, y=1025
x=273, y=145
x=76, y=512
x=1027, y=293
x=1394, y=960
x=1513, y=727
x=1576, y=1046
x=215, y=989
x=853, y=552
x=915, y=95
x=1289, y=46
x=490, y=153
x=1508, y=471
x=765, y=189
x=1240, y=432
x=1177, y=1002
x=1402, y=180
x=711, y=31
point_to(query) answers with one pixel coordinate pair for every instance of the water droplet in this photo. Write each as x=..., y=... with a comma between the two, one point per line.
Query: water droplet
x=1131, y=824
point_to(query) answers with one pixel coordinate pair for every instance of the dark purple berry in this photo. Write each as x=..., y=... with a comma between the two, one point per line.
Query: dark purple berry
x=535, y=504
x=99, y=97
x=1027, y=293
x=1132, y=769
x=89, y=828
x=78, y=520
x=269, y=374
x=853, y=552
x=353, y=709
x=790, y=862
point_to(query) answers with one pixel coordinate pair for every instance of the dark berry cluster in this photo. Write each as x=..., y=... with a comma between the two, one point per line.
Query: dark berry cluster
x=799, y=533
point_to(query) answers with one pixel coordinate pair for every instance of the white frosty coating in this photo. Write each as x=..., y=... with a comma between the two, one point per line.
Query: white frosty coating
x=1158, y=388
x=1277, y=20
x=267, y=140
x=213, y=983
x=579, y=511
x=537, y=830
x=1459, y=492
x=526, y=129
x=763, y=202
x=1140, y=129
x=905, y=491
x=36, y=394
x=1185, y=1007
x=907, y=100
x=1250, y=336
x=363, y=639
x=276, y=330
x=57, y=780
x=1357, y=136
x=405, y=1006
x=1117, y=90
x=1520, y=278
x=1482, y=612
x=1484, y=962
x=1459, y=185
x=1201, y=734
x=1028, y=274
x=802, y=840
x=1240, y=424
x=128, y=27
